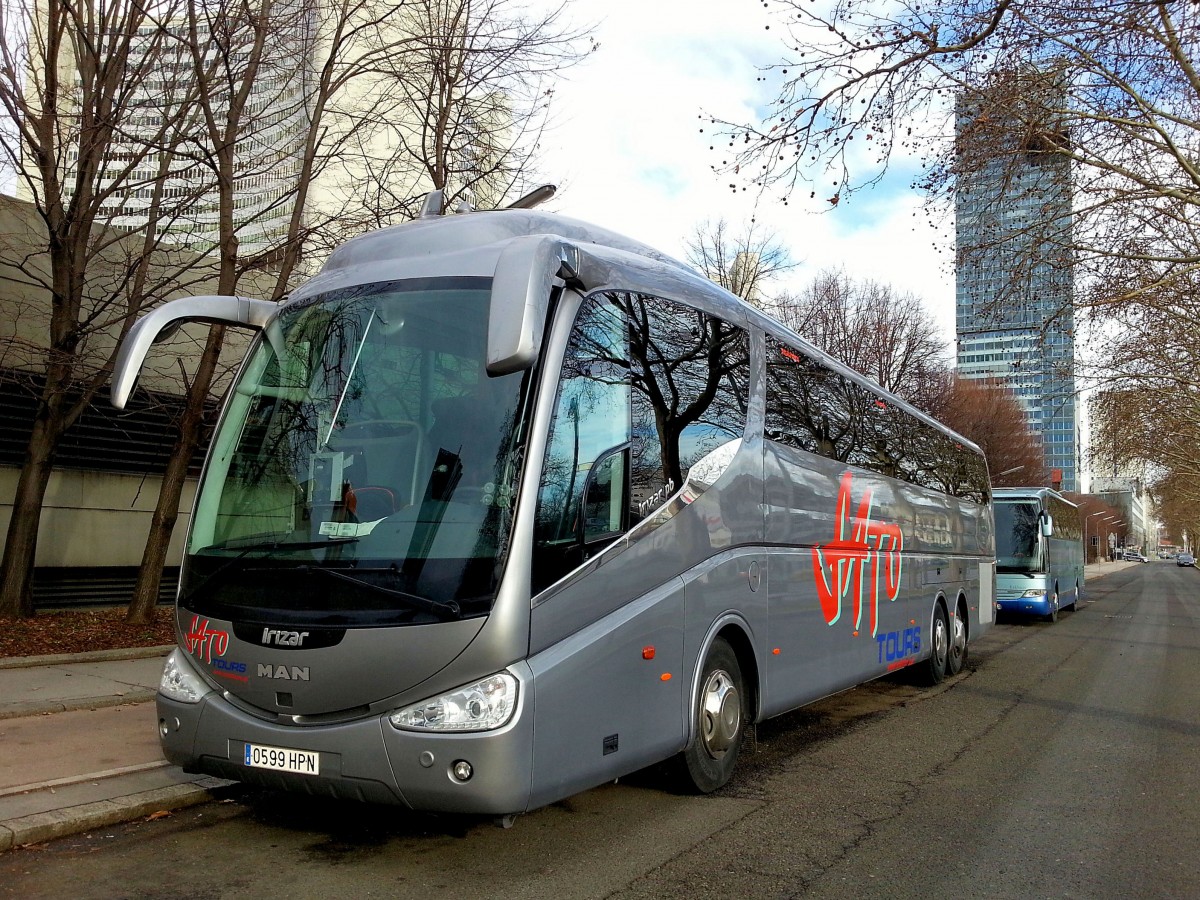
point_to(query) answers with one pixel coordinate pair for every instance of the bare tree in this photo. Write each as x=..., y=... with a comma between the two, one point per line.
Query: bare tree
x=1177, y=498
x=222, y=52
x=391, y=103
x=195, y=132
x=460, y=110
x=744, y=262
x=886, y=335
x=1146, y=409
x=988, y=413
x=66, y=86
x=863, y=85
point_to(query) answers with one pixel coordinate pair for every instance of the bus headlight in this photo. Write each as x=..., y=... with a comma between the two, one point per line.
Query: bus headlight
x=1034, y=593
x=179, y=681
x=481, y=706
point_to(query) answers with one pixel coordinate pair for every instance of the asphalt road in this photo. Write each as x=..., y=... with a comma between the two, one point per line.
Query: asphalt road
x=1062, y=763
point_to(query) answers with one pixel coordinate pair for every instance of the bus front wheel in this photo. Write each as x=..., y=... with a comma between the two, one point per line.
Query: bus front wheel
x=720, y=721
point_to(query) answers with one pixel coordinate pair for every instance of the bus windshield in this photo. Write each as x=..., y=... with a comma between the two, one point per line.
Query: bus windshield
x=1017, y=537
x=365, y=443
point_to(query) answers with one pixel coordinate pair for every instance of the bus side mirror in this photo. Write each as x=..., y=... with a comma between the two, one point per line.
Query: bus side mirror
x=525, y=273
x=1047, y=526
x=159, y=324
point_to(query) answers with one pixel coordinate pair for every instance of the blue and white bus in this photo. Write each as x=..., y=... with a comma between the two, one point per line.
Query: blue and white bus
x=1039, y=552
x=502, y=506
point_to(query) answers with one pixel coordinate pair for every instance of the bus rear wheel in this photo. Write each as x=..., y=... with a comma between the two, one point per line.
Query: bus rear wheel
x=958, y=642
x=934, y=670
x=720, y=722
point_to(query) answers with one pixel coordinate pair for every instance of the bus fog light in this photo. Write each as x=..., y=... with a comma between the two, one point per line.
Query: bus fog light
x=461, y=770
x=482, y=706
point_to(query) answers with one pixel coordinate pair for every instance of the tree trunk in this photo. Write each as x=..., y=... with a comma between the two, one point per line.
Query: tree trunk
x=166, y=512
x=20, y=546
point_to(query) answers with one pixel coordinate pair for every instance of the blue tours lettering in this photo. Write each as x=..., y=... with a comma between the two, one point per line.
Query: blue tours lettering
x=896, y=645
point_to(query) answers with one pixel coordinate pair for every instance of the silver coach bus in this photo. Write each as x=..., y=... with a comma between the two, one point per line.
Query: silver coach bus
x=502, y=506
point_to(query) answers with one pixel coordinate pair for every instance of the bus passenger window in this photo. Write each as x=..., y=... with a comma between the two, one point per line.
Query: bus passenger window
x=690, y=374
x=648, y=388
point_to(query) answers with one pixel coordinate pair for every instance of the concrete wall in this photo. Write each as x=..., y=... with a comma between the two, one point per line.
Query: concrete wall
x=96, y=518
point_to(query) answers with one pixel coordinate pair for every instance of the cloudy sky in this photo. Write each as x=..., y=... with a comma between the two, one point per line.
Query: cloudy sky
x=627, y=151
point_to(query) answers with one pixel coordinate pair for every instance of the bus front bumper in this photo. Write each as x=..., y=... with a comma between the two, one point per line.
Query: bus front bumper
x=366, y=760
x=1039, y=605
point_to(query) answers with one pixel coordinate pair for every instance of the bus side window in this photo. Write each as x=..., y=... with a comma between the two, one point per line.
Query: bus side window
x=591, y=418
x=690, y=375
x=649, y=387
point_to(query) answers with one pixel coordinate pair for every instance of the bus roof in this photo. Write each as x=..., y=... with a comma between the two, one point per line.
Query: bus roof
x=1028, y=493
x=472, y=243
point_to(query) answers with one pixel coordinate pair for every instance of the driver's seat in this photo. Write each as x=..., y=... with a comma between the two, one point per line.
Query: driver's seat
x=373, y=503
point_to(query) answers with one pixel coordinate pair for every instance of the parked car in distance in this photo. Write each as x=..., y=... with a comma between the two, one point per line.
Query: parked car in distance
x=1185, y=559
x=1134, y=556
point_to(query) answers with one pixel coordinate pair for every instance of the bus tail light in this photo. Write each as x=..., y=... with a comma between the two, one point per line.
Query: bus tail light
x=481, y=706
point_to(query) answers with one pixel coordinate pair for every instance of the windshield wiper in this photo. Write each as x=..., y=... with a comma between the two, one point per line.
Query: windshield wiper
x=257, y=542
x=449, y=609
x=276, y=544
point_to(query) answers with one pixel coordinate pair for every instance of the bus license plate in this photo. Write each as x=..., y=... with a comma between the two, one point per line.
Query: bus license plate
x=283, y=759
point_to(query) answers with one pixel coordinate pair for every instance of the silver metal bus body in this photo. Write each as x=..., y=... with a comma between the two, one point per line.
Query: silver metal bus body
x=1039, y=552
x=503, y=506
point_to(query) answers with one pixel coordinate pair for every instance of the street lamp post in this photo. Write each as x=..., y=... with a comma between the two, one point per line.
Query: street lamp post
x=1120, y=523
x=1086, y=546
x=1109, y=523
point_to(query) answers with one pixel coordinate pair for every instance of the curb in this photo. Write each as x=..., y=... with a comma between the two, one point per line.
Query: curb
x=103, y=813
x=58, y=659
x=21, y=708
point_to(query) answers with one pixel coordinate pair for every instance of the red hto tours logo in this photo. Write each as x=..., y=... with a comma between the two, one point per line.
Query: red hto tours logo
x=203, y=642
x=851, y=564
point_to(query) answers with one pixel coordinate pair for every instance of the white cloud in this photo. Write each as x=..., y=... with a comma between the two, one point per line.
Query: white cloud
x=628, y=152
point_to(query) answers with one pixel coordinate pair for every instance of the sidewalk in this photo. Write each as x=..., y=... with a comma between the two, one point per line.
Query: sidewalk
x=80, y=746
x=79, y=738
x=1100, y=569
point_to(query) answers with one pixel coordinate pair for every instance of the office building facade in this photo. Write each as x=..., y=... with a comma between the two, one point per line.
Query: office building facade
x=160, y=171
x=1014, y=279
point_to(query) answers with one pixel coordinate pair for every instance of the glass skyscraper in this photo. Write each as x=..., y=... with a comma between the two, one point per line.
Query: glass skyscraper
x=1013, y=290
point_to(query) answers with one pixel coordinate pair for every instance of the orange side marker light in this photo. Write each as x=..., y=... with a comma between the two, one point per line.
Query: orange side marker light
x=647, y=652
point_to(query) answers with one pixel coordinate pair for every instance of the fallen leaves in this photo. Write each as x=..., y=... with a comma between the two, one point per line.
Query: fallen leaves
x=78, y=631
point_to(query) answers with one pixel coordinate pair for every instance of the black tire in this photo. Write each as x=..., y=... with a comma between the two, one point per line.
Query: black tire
x=1053, y=616
x=933, y=670
x=957, y=657
x=719, y=723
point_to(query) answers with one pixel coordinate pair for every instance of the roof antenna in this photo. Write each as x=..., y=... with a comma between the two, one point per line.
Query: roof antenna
x=534, y=198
